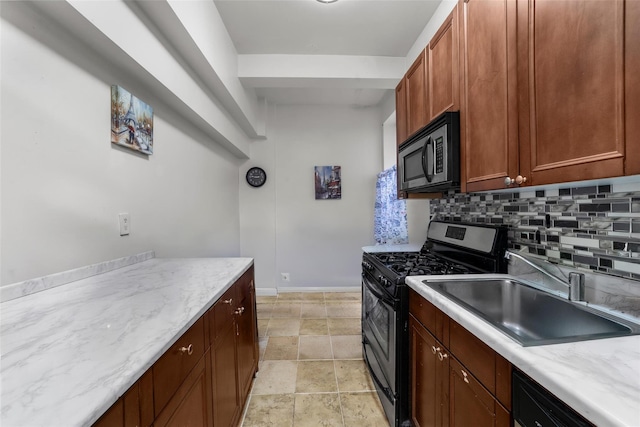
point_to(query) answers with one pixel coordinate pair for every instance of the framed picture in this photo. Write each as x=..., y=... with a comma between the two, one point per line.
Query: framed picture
x=131, y=121
x=328, y=182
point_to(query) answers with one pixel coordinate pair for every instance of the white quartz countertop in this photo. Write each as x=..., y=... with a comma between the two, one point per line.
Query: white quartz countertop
x=68, y=353
x=392, y=248
x=599, y=379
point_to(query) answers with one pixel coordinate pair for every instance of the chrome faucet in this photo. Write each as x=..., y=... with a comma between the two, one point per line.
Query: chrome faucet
x=551, y=276
x=576, y=286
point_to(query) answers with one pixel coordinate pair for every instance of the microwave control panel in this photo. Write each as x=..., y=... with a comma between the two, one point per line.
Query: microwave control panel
x=439, y=160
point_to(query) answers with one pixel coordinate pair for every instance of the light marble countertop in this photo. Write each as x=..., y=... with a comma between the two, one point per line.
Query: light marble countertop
x=69, y=352
x=392, y=248
x=599, y=379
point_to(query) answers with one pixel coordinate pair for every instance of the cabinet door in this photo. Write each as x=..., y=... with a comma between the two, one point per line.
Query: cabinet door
x=224, y=377
x=429, y=373
x=444, y=78
x=488, y=122
x=416, y=90
x=470, y=403
x=401, y=112
x=191, y=404
x=247, y=335
x=632, y=86
x=114, y=417
x=571, y=89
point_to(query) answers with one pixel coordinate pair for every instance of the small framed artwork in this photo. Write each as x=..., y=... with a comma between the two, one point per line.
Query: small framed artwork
x=131, y=121
x=328, y=182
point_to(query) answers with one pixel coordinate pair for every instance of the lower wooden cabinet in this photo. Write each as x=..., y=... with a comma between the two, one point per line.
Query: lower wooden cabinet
x=204, y=379
x=456, y=379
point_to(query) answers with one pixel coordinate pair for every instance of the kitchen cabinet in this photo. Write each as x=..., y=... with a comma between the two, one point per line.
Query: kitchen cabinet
x=234, y=355
x=416, y=93
x=401, y=113
x=544, y=93
x=443, y=71
x=204, y=378
x=456, y=379
x=488, y=114
x=632, y=86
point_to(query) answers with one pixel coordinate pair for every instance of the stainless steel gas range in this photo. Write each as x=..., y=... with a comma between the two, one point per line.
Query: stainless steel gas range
x=450, y=248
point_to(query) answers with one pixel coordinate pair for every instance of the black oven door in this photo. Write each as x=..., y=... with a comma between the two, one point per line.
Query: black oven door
x=379, y=323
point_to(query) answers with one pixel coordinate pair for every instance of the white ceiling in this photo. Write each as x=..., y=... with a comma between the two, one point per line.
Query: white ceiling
x=374, y=28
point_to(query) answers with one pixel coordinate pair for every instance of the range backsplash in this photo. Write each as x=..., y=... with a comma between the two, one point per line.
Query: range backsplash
x=591, y=227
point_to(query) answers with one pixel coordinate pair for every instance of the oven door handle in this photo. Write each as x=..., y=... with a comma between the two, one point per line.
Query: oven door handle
x=386, y=390
x=375, y=293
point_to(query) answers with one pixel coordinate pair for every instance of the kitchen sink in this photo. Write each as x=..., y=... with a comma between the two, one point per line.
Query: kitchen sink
x=531, y=316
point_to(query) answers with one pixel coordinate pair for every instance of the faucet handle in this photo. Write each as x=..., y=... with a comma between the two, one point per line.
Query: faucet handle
x=576, y=286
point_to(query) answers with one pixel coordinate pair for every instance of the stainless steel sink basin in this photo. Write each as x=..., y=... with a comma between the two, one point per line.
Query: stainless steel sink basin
x=531, y=316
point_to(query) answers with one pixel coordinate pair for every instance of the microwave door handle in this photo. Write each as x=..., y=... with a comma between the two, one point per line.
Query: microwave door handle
x=425, y=162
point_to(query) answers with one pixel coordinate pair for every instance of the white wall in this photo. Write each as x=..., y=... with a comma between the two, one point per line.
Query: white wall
x=317, y=241
x=63, y=183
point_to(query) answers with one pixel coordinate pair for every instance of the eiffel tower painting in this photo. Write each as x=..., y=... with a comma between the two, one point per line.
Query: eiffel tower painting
x=131, y=121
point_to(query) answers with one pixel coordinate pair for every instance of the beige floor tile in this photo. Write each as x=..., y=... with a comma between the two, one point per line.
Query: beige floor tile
x=315, y=347
x=346, y=346
x=340, y=326
x=283, y=327
x=289, y=296
x=344, y=309
x=262, y=327
x=342, y=296
x=312, y=296
x=286, y=309
x=360, y=409
x=276, y=377
x=317, y=410
x=353, y=375
x=282, y=348
x=263, y=311
x=314, y=327
x=266, y=299
x=314, y=310
x=270, y=411
x=316, y=377
x=262, y=346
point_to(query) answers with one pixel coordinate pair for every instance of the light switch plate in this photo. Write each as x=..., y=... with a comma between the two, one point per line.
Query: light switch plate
x=125, y=223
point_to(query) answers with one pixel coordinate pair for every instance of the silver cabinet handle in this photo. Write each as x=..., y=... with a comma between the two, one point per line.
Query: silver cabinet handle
x=434, y=350
x=442, y=356
x=464, y=376
x=228, y=301
x=518, y=180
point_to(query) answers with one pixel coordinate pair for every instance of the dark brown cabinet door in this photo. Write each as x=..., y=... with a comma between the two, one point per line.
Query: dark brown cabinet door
x=429, y=372
x=191, y=404
x=632, y=86
x=247, y=335
x=416, y=90
x=571, y=84
x=489, y=104
x=114, y=417
x=470, y=403
x=444, y=78
x=225, y=380
x=401, y=112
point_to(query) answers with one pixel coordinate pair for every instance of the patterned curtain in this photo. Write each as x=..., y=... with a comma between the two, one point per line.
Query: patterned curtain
x=390, y=222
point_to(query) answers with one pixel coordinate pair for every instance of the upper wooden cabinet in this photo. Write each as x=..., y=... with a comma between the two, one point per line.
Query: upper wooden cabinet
x=416, y=92
x=401, y=112
x=546, y=85
x=443, y=72
x=489, y=110
x=571, y=89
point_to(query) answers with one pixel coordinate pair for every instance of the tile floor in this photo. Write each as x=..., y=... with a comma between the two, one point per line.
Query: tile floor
x=311, y=371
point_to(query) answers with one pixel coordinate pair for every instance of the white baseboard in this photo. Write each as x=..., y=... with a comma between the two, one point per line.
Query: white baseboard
x=276, y=291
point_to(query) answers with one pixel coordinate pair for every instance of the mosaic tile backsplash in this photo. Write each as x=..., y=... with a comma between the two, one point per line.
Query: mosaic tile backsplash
x=590, y=227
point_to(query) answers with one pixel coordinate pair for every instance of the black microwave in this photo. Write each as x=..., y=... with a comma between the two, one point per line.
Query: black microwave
x=429, y=161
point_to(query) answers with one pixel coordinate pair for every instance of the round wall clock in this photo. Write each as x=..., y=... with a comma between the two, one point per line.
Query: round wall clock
x=256, y=177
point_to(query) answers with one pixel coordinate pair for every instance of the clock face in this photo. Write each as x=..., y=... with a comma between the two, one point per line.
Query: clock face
x=256, y=177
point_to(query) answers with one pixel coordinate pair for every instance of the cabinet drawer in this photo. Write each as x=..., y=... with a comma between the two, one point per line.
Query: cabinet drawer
x=174, y=366
x=221, y=315
x=423, y=310
x=478, y=357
